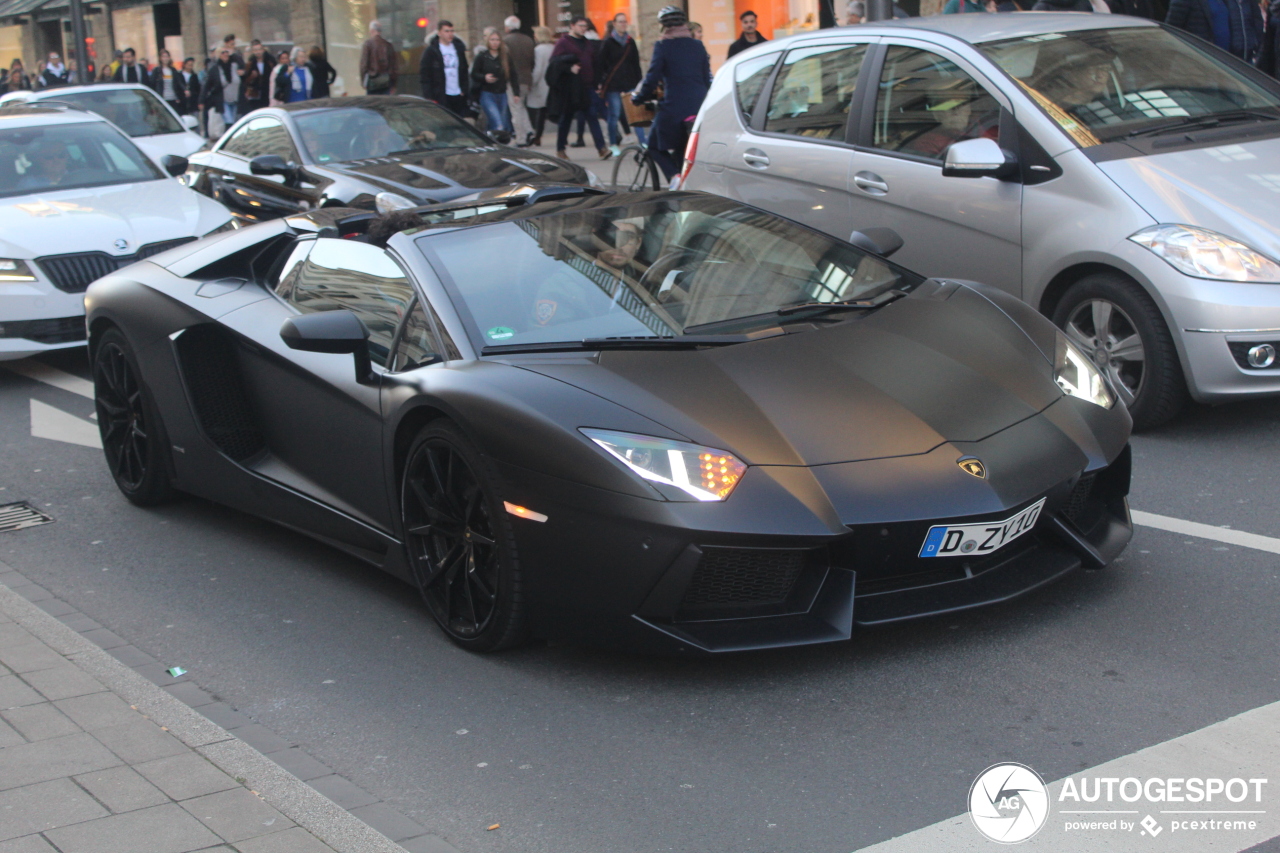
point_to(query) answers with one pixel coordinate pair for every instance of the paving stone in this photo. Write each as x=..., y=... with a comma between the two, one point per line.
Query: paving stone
x=139, y=741
x=160, y=829
x=32, y=592
x=30, y=656
x=55, y=607
x=14, y=693
x=104, y=639
x=29, y=844
x=343, y=792
x=97, y=711
x=388, y=821
x=40, y=722
x=185, y=776
x=9, y=736
x=236, y=815
x=300, y=764
x=30, y=763
x=78, y=622
x=428, y=844
x=222, y=714
x=296, y=840
x=121, y=789
x=13, y=634
x=262, y=738
x=35, y=808
x=188, y=693
x=62, y=682
x=130, y=656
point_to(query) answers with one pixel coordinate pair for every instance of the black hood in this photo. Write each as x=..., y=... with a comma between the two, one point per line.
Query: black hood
x=901, y=381
x=447, y=173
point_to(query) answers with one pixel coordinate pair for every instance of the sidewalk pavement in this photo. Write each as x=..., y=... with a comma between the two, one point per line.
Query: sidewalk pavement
x=94, y=758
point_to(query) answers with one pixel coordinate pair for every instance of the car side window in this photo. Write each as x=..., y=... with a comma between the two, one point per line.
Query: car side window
x=260, y=136
x=358, y=277
x=749, y=77
x=420, y=342
x=814, y=91
x=283, y=280
x=926, y=102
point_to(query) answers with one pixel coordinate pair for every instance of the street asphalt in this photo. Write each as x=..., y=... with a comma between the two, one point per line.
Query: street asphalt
x=575, y=750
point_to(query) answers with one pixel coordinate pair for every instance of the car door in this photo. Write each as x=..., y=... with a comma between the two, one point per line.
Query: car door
x=794, y=158
x=927, y=97
x=258, y=197
x=323, y=427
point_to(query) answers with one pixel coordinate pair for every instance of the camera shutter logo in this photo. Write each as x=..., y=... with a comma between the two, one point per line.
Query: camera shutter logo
x=1009, y=803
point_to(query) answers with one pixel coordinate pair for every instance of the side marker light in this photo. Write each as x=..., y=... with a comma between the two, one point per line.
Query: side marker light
x=524, y=512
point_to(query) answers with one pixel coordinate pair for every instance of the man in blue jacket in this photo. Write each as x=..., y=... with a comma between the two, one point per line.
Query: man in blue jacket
x=1233, y=25
x=681, y=64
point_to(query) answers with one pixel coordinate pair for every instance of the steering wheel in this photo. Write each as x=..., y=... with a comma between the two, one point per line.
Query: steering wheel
x=657, y=272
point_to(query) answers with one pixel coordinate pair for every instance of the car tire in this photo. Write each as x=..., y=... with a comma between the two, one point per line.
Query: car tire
x=1111, y=312
x=129, y=423
x=459, y=541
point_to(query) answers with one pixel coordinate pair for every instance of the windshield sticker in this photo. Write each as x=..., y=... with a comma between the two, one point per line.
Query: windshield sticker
x=544, y=311
x=500, y=333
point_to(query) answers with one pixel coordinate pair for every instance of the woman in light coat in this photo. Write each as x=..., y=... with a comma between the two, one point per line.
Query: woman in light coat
x=536, y=99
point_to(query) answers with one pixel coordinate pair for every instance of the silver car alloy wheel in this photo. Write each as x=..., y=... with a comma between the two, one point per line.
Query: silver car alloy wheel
x=1108, y=335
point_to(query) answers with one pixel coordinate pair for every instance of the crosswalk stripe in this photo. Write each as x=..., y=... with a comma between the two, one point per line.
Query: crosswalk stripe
x=53, y=423
x=1207, y=531
x=42, y=372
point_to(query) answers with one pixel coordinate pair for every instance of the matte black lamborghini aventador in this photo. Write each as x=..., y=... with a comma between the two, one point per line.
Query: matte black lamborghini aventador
x=667, y=420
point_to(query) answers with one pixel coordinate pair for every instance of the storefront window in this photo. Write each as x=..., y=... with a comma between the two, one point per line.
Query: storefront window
x=405, y=23
x=270, y=21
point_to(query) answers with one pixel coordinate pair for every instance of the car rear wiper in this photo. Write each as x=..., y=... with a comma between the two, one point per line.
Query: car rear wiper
x=1203, y=122
x=634, y=342
x=848, y=305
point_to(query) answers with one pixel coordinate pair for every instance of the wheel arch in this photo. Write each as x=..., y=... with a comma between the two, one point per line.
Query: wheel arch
x=1062, y=281
x=406, y=430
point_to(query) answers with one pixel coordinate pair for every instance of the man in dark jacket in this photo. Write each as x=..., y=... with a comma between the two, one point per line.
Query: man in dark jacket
x=750, y=37
x=1233, y=25
x=378, y=63
x=129, y=70
x=255, y=79
x=681, y=64
x=619, y=59
x=443, y=70
x=568, y=88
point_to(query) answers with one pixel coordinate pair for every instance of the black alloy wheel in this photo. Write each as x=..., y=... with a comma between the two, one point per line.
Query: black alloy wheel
x=127, y=421
x=459, y=541
x=634, y=170
x=1117, y=324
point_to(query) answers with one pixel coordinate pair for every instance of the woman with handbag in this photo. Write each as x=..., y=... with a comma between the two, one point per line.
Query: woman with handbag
x=490, y=75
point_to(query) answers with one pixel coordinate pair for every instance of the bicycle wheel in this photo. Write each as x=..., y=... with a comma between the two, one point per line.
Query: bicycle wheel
x=634, y=171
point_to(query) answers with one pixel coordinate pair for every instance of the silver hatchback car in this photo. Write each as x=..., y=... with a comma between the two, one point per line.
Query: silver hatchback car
x=1122, y=177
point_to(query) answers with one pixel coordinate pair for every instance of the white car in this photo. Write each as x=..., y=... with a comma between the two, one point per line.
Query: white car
x=134, y=108
x=78, y=200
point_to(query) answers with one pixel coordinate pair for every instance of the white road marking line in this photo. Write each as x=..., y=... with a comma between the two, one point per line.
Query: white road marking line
x=1245, y=746
x=1207, y=531
x=53, y=423
x=42, y=372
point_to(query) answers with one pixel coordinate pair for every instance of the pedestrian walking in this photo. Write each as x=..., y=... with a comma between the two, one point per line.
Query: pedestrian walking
x=189, y=87
x=520, y=50
x=378, y=61
x=222, y=89
x=55, y=74
x=483, y=44
x=680, y=64
x=490, y=76
x=296, y=82
x=750, y=35
x=1233, y=25
x=229, y=42
x=255, y=79
x=620, y=67
x=14, y=80
x=536, y=99
x=695, y=30
x=279, y=67
x=443, y=70
x=129, y=70
x=322, y=71
x=571, y=76
x=164, y=81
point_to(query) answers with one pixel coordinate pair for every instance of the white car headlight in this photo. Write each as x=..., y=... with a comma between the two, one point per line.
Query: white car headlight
x=1078, y=376
x=387, y=202
x=1207, y=254
x=704, y=473
x=12, y=269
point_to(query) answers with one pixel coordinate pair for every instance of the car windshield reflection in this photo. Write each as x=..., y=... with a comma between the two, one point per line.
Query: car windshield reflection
x=63, y=157
x=648, y=270
x=377, y=130
x=136, y=112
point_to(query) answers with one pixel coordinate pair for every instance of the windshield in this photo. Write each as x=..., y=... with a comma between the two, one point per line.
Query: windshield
x=1101, y=85
x=656, y=268
x=69, y=156
x=360, y=133
x=135, y=111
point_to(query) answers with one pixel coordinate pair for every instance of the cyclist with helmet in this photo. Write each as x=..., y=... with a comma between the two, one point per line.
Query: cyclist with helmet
x=680, y=64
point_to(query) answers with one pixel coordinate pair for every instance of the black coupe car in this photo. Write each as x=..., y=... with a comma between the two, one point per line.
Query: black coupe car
x=346, y=152
x=664, y=420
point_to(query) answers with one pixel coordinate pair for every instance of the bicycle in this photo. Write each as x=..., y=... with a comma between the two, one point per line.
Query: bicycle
x=634, y=169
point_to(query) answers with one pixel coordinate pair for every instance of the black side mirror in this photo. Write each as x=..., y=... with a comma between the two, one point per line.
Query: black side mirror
x=331, y=332
x=174, y=165
x=273, y=164
x=878, y=241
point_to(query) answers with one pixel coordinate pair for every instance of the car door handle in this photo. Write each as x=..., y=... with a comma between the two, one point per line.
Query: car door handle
x=870, y=182
x=755, y=158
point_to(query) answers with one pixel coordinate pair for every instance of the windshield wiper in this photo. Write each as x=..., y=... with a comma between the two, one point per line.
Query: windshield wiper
x=848, y=305
x=1203, y=122
x=637, y=342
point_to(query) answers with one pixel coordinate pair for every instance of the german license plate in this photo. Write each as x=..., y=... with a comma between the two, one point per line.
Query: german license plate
x=974, y=540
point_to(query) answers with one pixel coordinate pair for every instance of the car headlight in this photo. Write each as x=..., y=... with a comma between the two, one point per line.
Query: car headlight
x=1207, y=254
x=387, y=202
x=229, y=225
x=1077, y=375
x=14, y=270
x=703, y=473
